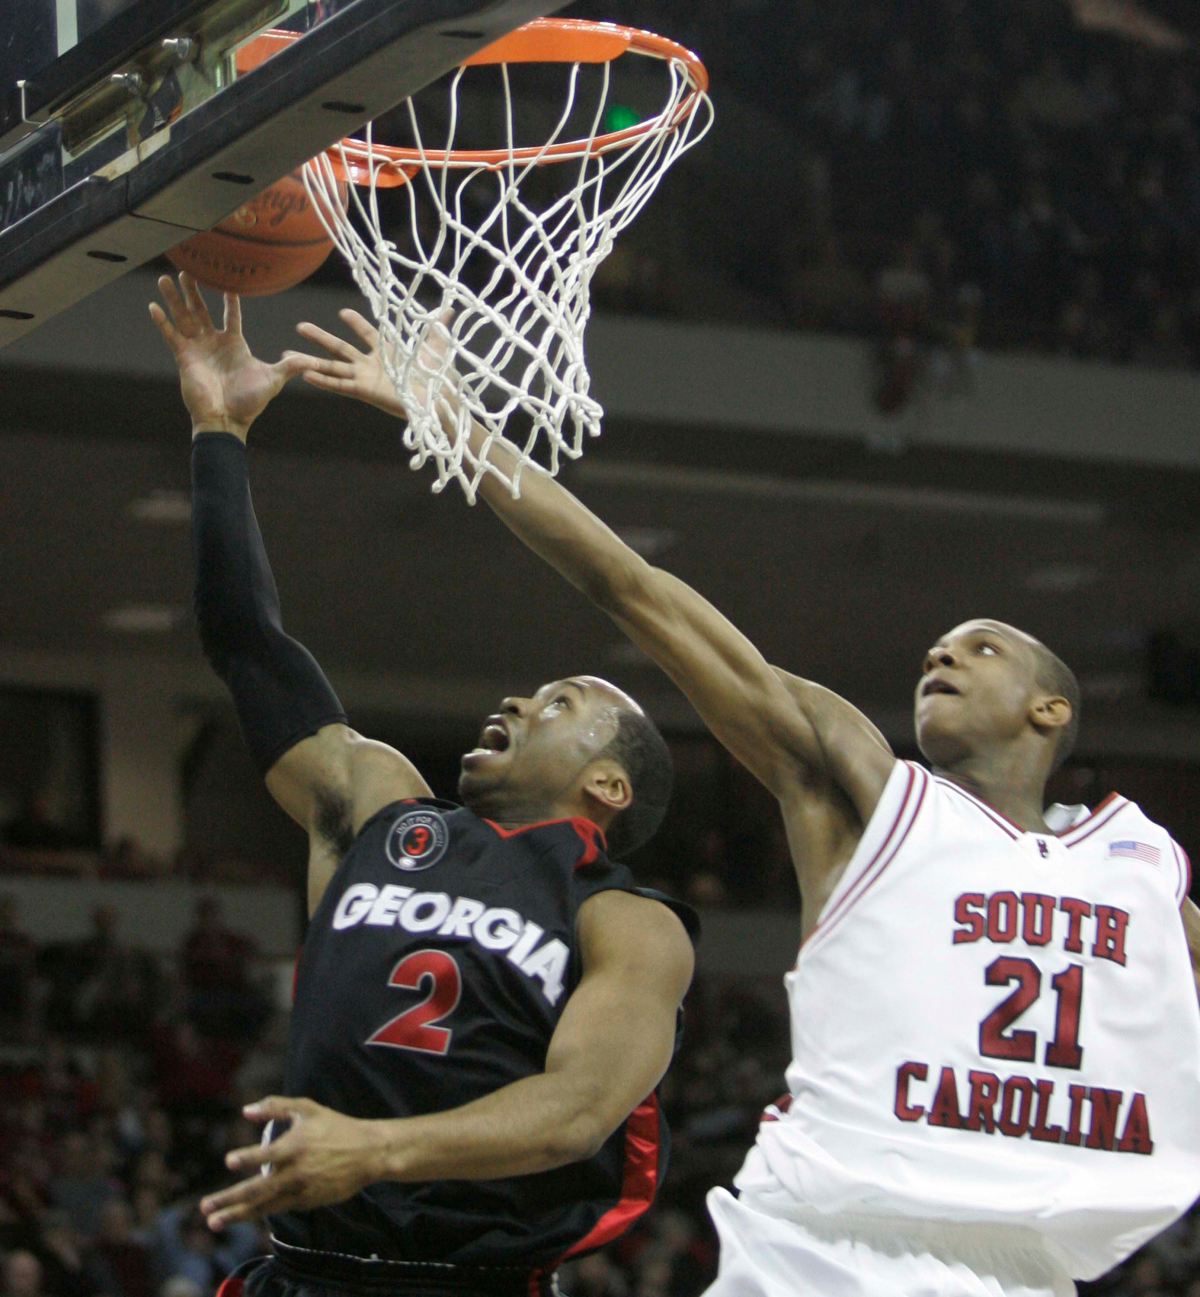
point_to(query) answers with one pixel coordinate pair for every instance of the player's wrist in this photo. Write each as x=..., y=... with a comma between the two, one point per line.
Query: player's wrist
x=219, y=423
x=389, y=404
x=386, y=1152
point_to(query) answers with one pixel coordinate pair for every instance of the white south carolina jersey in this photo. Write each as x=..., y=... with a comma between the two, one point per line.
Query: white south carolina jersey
x=996, y=1026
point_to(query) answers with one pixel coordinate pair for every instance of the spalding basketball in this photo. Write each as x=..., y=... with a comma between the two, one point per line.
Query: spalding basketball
x=270, y=243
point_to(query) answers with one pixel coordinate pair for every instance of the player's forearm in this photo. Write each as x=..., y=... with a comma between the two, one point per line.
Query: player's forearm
x=535, y=1124
x=564, y=532
x=279, y=691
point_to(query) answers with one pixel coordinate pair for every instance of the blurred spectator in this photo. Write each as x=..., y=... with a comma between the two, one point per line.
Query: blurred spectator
x=126, y=859
x=186, y=1247
x=68, y=1267
x=18, y=970
x=829, y=292
x=100, y=986
x=124, y=1258
x=22, y=1275
x=706, y=891
x=36, y=826
x=904, y=294
x=223, y=1003
x=115, y=1097
x=24, y=1176
x=194, y=1080
x=594, y=1276
x=82, y=1181
x=67, y=1095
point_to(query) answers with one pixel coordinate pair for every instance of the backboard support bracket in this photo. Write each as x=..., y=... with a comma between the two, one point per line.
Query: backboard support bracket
x=361, y=62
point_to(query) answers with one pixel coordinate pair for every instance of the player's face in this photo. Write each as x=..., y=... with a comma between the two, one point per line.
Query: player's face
x=977, y=684
x=535, y=749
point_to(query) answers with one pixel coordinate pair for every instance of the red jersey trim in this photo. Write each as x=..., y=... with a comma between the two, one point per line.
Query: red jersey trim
x=1114, y=804
x=587, y=829
x=998, y=818
x=638, y=1182
x=886, y=854
x=592, y=838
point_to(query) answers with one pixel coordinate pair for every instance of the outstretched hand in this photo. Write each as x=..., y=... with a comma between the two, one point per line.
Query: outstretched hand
x=325, y=1158
x=361, y=374
x=347, y=370
x=225, y=387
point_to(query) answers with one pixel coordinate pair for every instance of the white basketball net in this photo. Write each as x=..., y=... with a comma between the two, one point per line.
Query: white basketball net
x=515, y=340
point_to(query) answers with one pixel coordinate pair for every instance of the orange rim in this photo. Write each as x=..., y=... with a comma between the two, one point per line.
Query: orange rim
x=544, y=40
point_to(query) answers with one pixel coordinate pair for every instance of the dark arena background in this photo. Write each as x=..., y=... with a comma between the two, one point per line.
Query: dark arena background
x=912, y=336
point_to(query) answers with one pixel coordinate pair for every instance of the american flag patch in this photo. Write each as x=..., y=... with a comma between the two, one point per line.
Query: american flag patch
x=1135, y=851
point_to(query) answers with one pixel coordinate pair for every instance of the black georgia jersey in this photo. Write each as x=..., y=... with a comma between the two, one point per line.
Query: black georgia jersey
x=435, y=971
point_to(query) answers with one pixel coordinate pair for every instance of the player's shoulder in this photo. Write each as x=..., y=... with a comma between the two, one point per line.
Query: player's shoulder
x=1119, y=830
x=825, y=706
x=376, y=775
x=1112, y=817
x=648, y=923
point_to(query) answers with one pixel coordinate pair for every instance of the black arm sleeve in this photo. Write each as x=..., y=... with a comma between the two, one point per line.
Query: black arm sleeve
x=280, y=692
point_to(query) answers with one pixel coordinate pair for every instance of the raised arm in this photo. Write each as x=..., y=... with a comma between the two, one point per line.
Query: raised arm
x=317, y=768
x=611, y=1048
x=788, y=732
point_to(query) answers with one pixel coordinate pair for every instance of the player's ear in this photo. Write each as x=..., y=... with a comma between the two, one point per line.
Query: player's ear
x=1050, y=712
x=606, y=784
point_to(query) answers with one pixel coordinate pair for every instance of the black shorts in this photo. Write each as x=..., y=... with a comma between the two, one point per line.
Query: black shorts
x=323, y=1274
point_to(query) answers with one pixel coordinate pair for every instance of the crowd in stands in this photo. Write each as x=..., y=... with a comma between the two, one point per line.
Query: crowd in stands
x=948, y=172
x=120, y=1092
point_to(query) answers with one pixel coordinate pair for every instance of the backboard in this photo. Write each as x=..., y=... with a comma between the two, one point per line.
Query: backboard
x=125, y=128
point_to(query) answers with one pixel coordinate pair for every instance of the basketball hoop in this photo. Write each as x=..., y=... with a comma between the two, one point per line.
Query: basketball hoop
x=483, y=315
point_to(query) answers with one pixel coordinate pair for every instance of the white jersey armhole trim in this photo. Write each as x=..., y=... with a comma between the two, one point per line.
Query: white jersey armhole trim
x=886, y=830
x=1185, y=871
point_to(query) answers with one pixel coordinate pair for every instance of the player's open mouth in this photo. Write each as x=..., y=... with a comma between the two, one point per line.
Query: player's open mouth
x=495, y=736
x=935, y=685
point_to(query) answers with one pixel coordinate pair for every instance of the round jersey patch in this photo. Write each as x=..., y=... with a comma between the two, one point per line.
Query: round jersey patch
x=418, y=839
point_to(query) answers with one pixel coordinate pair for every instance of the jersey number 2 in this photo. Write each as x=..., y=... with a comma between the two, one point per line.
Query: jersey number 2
x=415, y=1028
x=995, y=1039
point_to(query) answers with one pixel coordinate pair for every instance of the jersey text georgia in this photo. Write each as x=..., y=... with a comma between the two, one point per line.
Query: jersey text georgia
x=498, y=928
x=435, y=971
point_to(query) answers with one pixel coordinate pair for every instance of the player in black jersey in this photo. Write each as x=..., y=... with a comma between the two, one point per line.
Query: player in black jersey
x=485, y=1002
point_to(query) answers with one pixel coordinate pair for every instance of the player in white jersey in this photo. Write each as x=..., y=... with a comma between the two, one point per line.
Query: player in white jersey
x=996, y=1075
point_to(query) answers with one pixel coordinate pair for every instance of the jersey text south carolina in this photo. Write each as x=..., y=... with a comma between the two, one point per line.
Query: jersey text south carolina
x=497, y=928
x=995, y=1026
x=1019, y=1106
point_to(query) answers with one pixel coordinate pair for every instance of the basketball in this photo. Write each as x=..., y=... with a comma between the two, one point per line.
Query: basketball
x=270, y=243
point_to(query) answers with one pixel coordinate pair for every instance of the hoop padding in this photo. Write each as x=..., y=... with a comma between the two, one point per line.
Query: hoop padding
x=482, y=317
